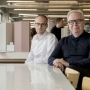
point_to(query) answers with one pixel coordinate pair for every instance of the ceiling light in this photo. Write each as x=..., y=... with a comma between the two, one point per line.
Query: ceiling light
x=86, y=9
x=86, y=19
x=59, y=9
x=19, y=1
x=52, y=19
x=64, y=2
x=32, y=26
x=57, y=15
x=25, y=9
x=31, y=22
x=87, y=15
x=27, y=19
x=28, y=14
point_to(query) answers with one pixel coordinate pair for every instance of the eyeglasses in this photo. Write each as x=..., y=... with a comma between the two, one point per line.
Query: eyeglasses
x=76, y=21
x=40, y=24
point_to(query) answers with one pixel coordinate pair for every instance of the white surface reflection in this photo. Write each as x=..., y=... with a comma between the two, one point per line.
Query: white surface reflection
x=41, y=77
x=14, y=77
x=32, y=77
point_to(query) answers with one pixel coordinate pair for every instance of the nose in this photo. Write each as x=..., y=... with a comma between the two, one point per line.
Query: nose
x=40, y=25
x=75, y=23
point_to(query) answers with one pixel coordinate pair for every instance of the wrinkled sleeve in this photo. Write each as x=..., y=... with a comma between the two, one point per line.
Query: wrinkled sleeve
x=30, y=58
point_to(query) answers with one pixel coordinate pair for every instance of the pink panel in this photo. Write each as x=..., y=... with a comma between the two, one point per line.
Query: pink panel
x=25, y=36
x=21, y=36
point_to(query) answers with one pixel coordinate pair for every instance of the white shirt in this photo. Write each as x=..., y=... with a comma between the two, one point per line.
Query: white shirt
x=41, y=48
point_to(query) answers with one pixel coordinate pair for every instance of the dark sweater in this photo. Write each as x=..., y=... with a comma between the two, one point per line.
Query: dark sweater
x=57, y=32
x=76, y=51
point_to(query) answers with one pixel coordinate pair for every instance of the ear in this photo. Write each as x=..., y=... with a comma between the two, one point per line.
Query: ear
x=58, y=22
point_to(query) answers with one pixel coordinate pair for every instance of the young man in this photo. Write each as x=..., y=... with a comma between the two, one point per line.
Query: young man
x=43, y=43
x=56, y=30
x=73, y=51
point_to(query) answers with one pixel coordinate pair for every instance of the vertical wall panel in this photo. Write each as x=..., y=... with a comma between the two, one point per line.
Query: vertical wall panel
x=5, y=35
x=21, y=36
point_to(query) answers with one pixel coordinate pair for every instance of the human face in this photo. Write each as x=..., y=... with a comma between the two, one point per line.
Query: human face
x=40, y=24
x=60, y=23
x=76, y=26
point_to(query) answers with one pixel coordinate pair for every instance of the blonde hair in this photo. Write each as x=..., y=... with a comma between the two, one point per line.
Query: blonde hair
x=75, y=11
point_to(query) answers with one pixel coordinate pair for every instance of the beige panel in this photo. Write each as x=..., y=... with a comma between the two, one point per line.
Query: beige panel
x=21, y=36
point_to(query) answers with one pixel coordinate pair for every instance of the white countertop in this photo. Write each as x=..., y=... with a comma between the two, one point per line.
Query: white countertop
x=32, y=77
x=13, y=55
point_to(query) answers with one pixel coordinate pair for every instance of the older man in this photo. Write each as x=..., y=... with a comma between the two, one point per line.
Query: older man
x=73, y=51
x=43, y=42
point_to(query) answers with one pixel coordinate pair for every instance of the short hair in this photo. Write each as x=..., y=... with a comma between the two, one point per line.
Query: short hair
x=43, y=16
x=58, y=20
x=75, y=11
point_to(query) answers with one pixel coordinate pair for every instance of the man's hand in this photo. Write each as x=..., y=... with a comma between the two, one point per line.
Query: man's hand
x=62, y=61
x=56, y=61
x=59, y=65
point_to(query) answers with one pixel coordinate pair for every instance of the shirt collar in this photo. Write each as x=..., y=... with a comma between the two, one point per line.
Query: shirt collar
x=73, y=38
x=43, y=36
